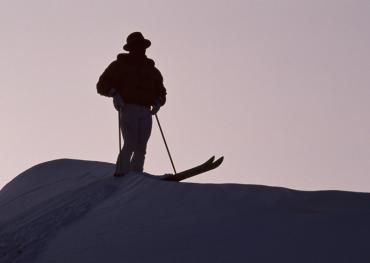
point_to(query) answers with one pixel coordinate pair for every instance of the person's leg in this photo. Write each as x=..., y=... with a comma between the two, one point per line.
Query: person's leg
x=144, y=131
x=130, y=130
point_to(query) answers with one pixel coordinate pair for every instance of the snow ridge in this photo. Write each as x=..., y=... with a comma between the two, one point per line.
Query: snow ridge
x=75, y=211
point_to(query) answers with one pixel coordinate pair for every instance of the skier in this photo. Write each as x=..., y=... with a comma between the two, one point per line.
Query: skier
x=136, y=86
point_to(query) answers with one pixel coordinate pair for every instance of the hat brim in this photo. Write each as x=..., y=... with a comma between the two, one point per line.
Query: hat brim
x=145, y=43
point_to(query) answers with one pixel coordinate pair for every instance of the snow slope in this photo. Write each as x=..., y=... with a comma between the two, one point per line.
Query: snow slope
x=75, y=211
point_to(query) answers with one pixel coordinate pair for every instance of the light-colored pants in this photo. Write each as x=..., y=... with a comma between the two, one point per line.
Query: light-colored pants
x=136, y=127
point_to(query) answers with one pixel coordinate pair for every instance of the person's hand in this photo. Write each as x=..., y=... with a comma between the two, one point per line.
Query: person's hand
x=160, y=101
x=156, y=107
x=118, y=101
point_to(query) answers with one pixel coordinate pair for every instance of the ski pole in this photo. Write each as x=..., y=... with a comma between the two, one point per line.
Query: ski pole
x=119, y=130
x=165, y=143
x=119, y=140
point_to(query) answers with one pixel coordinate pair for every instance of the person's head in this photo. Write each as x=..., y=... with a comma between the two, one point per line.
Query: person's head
x=136, y=43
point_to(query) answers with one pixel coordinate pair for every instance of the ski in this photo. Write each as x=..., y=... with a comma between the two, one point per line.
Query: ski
x=202, y=168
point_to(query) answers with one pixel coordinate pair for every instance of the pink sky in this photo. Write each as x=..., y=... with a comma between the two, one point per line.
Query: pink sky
x=280, y=88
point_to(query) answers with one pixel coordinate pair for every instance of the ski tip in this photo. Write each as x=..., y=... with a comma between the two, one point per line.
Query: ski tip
x=211, y=159
x=219, y=161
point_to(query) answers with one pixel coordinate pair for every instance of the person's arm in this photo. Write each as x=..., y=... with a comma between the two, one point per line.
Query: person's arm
x=161, y=93
x=107, y=81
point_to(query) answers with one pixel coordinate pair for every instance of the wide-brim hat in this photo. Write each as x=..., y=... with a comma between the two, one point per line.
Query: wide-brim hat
x=136, y=39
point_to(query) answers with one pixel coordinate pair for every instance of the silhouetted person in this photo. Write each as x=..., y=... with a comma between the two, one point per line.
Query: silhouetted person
x=136, y=86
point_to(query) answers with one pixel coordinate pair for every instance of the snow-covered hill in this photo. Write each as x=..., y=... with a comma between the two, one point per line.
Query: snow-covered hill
x=75, y=211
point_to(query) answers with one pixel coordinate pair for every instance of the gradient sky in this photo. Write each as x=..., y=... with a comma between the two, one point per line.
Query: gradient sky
x=280, y=88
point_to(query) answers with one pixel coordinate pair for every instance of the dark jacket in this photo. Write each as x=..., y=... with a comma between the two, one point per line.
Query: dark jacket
x=136, y=79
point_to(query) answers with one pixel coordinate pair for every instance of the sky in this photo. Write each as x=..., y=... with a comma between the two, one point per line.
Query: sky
x=280, y=88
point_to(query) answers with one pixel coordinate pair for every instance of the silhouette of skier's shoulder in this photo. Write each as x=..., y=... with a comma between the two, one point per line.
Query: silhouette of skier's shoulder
x=108, y=78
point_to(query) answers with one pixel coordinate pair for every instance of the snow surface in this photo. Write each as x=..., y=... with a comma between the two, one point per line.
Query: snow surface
x=75, y=211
